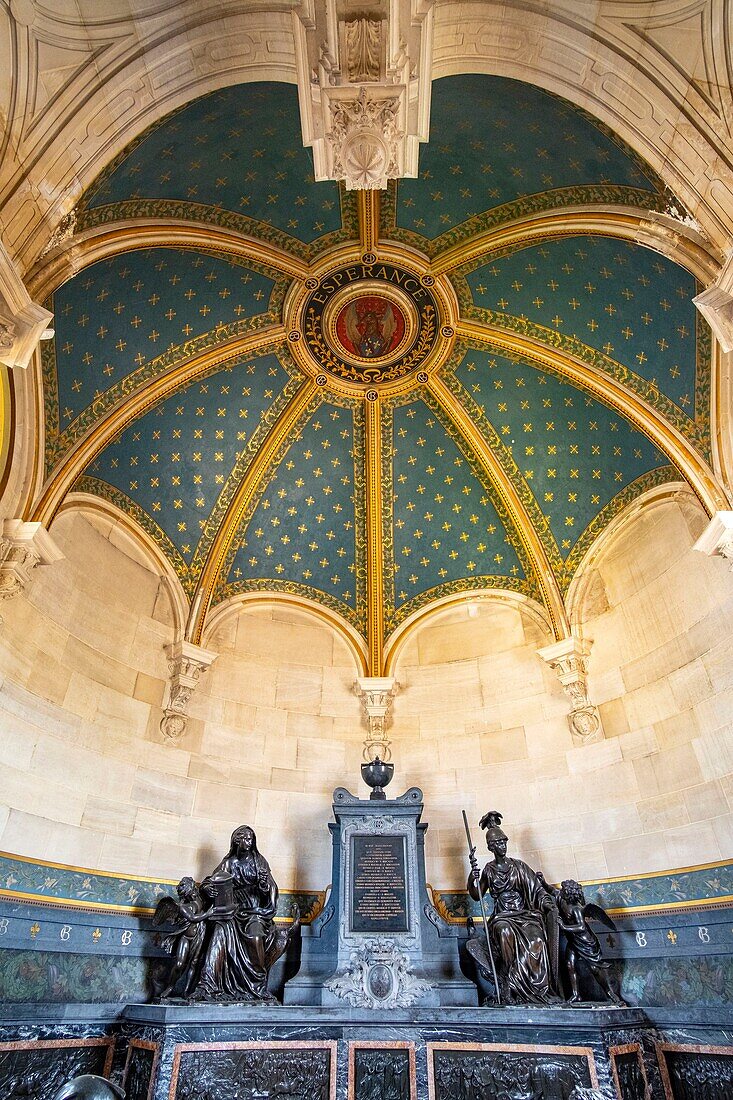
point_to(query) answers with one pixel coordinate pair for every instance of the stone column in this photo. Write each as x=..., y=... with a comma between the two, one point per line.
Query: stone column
x=23, y=546
x=717, y=538
x=568, y=659
x=186, y=663
x=376, y=694
x=22, y=322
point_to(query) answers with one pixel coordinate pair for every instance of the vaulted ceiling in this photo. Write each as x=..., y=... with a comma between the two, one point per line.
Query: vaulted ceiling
x=546, y=368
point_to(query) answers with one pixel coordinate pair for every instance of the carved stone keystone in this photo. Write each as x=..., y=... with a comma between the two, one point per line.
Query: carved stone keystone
x=22, y=322
x=23, y=546
x=364, y=87
x=568, y=659
x=186, y=663
x=717, y=538
x=376, y=694
x=716, y=305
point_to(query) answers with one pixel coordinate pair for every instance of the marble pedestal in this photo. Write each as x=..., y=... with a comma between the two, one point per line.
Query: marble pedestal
x=334, y=1053
x=379, y=943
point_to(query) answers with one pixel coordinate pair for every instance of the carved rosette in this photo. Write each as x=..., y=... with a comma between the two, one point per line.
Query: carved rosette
x=23, y=547
x=364, y=140
x=568, y=660
x=378, y=976
x=186, y=663
x=377, y=694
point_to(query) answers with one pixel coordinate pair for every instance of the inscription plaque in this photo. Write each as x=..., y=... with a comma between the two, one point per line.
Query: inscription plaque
x=379, y=887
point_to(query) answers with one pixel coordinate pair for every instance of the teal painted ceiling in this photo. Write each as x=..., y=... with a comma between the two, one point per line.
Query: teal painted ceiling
x=211, y=432
x=237, y=150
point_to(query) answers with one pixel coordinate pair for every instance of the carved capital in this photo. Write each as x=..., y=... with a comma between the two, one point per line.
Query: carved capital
x=23, y=546
x=717, y=538
x=716, y=305
x=22, y=322
x=365, y=140
x=377, y=694
x=186, y=664
x=568, y=658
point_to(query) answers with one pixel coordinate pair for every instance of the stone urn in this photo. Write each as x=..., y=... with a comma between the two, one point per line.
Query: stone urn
x=377, y=774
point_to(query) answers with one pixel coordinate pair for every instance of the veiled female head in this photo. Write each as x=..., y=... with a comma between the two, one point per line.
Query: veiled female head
x=243, y=841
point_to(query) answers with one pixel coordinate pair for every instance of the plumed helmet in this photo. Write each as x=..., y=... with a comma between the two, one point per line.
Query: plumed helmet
x=491, y=822
x=90, y=1087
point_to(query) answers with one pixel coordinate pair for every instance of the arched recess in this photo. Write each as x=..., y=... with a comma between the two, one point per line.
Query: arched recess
x=399, y=638
x=580, y=589
x=616, y=75
x=231, y=607
x=127, y=531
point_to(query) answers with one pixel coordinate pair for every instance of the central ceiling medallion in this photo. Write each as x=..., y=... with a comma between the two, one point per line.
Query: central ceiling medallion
x=371, y=324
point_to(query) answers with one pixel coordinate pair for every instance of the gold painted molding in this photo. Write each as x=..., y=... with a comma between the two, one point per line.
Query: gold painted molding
x=101, y=242
x=250, y=483
x=96, y=439
x=375, y=536
x=369, y=207
x=546, y=579
x=666, y=235
x=664, y=436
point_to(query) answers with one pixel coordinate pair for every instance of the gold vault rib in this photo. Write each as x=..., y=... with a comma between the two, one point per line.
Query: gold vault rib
x=87, y=448
x=375, y=536
x=669, y=440
x=369, y=208
x=246, y=490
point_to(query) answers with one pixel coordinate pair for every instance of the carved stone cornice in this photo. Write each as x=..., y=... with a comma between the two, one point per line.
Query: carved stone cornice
x=716, y=305
x=568, y=659
x=186, y=664
x=377, y=694
x=23, y=547
x=22, y=322
x=717, y=538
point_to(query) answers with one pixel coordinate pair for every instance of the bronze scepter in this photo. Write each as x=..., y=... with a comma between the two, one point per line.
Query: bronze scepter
x=474, y=867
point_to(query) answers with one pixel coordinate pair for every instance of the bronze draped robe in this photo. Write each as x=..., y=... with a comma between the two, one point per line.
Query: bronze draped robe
x=517, y=928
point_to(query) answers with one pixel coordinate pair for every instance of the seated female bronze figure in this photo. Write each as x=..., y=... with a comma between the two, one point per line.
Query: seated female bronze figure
x=518, y=926
x=240, y=941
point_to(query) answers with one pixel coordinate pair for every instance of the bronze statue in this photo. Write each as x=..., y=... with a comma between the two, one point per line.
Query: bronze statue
x=244, y=941
x=523, y=926
x=581, y=940
x=90, y=1087
x=186, y=941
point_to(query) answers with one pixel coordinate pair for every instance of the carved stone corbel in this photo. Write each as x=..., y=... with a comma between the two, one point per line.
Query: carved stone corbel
x=568, y=659
x=716, y=305
x=23, y=546
x=22, y=322
x=717, y=538
x=377, y=694
x=364, y=84
x=186, y=663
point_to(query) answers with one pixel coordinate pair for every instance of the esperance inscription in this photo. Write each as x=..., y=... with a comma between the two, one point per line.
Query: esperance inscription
x=379, y=887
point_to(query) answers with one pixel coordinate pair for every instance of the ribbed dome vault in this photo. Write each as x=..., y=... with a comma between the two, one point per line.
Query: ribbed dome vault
x=374, y=401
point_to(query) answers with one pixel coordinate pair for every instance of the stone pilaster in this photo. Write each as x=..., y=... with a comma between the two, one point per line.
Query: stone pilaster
x=568, y=659
x=717, y=538
x=22, y=322
x=23, y=547
x=716, y=305
x=186, y=663
x=364, y=82
x=376, y=694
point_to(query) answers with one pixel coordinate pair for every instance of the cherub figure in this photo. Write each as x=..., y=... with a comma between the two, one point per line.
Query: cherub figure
x=582, y=942
x=186, y=941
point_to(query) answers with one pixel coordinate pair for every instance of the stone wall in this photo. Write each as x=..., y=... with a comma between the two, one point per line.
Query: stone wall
x=479, y=721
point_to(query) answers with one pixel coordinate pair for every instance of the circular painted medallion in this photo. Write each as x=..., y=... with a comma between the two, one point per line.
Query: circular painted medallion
x=368, y=324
